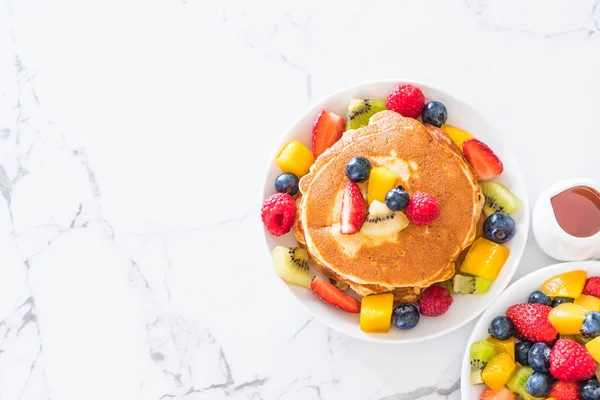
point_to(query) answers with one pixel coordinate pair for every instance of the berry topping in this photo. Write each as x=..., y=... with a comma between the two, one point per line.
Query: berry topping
x=407, y=100
x=278, y=212
x=358, y=169
x=287, y=183
x=405, y=316
x=590, y=390
x=334, y=296
x=327, y=129
x=499, y=227
x=397, y=199
x=591, y=325
x=592, y=286
x=484, y=162
x=435, y=301
x=531, y=322
x=538, y=384
x=434, y=113
x=539, y=357
x=501, y=328
x=564, y=391
x=539, y=297
x=354, y=211
x=571, y=362
x=522, y=352
x=422, y=209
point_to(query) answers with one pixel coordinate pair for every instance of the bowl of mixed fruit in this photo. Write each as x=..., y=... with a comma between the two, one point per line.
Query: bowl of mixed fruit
x=540, y=339
x=374, y=201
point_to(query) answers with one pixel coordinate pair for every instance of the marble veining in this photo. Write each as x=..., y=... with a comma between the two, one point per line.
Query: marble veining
x=133, y=139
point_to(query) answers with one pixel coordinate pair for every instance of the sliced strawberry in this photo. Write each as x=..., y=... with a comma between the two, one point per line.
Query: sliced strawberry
x=334, y=296
x=484, y=162
x=327, y=129
x=503, y=394
x=354, y=213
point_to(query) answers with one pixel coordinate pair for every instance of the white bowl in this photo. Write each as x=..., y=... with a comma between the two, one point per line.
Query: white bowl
x=465, y=308
x=517, y=293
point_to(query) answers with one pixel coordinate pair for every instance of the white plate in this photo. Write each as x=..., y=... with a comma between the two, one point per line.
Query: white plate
x=465, y=308
x=517, y=293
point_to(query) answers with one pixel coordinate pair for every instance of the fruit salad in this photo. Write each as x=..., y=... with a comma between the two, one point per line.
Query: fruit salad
x=374, y=205
x=544, y=348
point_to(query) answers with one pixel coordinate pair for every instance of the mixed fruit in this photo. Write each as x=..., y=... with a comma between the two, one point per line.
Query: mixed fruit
x=547, y=348
x=387, y=208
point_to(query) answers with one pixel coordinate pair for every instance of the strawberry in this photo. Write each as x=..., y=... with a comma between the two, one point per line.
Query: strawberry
x=531, y=322
x=327, y=129
x=503, y=394
x=484, y=162
x=564, y=391
x=334, y=296
x=592, y=287
x=353, y=213
x=570, y=361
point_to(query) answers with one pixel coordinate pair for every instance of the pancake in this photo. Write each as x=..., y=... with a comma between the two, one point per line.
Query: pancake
x=424, y=159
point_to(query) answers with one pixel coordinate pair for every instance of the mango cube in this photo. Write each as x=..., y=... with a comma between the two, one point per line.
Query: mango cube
x=498, y=371
x=567, y=318
x=381, y=181
x=589, y=303
x=569, y=284
x=485, y=259
x=504, y=346
x=295, y=158
x=458, y=136
x=376, y=313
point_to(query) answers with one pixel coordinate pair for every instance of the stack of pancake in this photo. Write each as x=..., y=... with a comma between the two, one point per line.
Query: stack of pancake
x=424, y=159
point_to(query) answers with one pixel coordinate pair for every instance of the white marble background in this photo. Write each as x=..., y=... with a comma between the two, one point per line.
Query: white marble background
x=133, y=136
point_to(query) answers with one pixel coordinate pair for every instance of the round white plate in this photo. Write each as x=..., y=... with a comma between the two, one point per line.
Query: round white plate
x=465, y=308
x=517, y=293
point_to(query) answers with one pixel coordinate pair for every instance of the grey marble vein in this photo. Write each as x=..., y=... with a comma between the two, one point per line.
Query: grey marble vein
x=425, y=391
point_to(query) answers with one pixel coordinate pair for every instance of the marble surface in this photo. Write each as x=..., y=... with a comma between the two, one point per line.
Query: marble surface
x=133, y=138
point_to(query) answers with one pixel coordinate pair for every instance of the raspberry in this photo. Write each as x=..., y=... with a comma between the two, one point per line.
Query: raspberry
x=278, y=212
x=407, y=100
x=422, y=209
x=592, y=287
x=564, y=391
x=435, y=301
x=571, y=362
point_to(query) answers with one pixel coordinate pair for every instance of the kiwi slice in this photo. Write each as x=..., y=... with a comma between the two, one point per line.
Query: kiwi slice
x=517, y=382
x=481, y=353
x=470, y=284
x=360, y=110
x=499, y=198
x=291, y=265
x=382, y=222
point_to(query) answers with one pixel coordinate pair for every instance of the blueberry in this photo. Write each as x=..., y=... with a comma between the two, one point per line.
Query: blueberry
x=538, y=384
x=434, y=113
x=557, y=301
x=287, y=183
x=499, y=227
x=591, y=325
x=521, y=352
x=358, y=169
x=501, y=328
x=405, y=316
x=397, y=199
x=590, y=390
x=539, y=297
x=539, y=357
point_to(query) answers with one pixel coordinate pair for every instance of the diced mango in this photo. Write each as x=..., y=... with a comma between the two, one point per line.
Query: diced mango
x=295, y=158
x=498, y=371
x=593, y=347
x=381, y=181
x=504, y=346
x=457, y=135
x=569, y=284
x=376, y=313
x=567, y=318
x=589, y=303
x=485, y=259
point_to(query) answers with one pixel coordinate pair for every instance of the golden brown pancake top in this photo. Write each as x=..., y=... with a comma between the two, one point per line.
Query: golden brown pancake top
x=425, y=160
